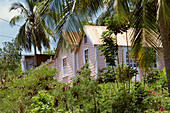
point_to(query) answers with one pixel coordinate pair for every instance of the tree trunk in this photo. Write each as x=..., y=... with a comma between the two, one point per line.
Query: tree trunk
x=166, y=50
x=35, y=56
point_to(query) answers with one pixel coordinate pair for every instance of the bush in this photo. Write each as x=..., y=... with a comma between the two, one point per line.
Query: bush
x=83, y=94
x=43, y=102
x=16, y=93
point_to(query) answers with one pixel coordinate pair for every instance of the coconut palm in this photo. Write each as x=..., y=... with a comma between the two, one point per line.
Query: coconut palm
x=69, y=16
x=151, y=22
x=34, y=31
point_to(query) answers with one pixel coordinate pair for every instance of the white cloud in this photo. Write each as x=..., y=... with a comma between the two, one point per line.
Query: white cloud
x=4, y=9
x=5, y=28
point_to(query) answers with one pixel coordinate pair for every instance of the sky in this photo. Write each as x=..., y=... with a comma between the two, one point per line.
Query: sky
x=7, y=33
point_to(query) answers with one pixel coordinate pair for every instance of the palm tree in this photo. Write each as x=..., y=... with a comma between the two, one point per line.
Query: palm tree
x=69, y=16
x=151, y=22
x=34, y=31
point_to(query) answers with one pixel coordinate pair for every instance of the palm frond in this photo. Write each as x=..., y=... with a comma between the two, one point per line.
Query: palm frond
x=17, y=18
x=18, y=5
x=70, y=14
x=24, y=37
x=145, y=31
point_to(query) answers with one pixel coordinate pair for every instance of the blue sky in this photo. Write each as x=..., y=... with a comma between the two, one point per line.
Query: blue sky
x=7, y=33
x=5, y=28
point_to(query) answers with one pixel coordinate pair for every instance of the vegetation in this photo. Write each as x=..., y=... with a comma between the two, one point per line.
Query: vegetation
x=112, y=91
x=150, y=19
x=34, y=31
x=10, y=57
x=84, y=93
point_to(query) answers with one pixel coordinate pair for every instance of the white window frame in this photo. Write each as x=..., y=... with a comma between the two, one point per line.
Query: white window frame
x=64, y=68
x=84, y=54
x=137, y=67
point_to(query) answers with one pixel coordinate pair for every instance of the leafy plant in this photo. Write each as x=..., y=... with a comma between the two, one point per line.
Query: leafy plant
x=109, y=47
x=10, y=56
x=42, y=103
x=124, y=72
x=16, y=93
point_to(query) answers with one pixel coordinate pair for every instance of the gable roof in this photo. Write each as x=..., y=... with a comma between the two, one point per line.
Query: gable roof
x=95, y=32
x=72, y=37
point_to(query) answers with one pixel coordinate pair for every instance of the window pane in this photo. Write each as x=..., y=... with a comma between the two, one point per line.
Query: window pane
x=86, y=55
x=85, y=39
x=64, y=67
x=64, y=62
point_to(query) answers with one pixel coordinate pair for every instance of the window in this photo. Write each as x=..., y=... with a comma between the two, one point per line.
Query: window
x=64, y=66
x=155, y=64
x=85, y=39
x=29, y=64
x=86, y=57
x=131, y=62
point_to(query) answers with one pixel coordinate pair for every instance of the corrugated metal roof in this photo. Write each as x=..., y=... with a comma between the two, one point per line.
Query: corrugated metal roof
x=72, y=37
x=95, y=32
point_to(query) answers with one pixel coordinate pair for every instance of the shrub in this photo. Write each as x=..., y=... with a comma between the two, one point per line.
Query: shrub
x=43, y=102
x=16, y=94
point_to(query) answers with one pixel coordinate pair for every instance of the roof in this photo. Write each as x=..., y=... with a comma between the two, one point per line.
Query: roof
x=95, y=32
x=37, y=54
x=72, y=37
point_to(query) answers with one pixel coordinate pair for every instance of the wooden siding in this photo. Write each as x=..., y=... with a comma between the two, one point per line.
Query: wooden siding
x=92, y=60
x=69, y=57
x=91, y=55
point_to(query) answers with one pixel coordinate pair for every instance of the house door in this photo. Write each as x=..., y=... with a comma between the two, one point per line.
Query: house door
x=132, y=63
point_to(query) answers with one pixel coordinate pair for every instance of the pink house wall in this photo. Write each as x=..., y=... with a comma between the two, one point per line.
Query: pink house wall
x=92, y=60
x=69, y=55
x=91, y=55
x=69, y=58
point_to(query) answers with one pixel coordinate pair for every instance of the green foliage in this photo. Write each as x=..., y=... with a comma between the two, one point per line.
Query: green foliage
x=156, y=79
x=120, y=73
x=106, y=75
x=10, y=56
x=83, y=94
x=80, y=95
x=42, y=103
x=17, y=91
x=125, y=72
x=109, y=47
x=50, y=51
x=34, y=31
x=116, y=23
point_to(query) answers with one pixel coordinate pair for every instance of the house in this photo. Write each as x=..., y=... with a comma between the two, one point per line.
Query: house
x=68, y=61
x=28, y=60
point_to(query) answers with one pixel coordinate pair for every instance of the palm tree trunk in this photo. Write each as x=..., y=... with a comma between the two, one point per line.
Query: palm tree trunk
x=166, y=50
x=35, y=56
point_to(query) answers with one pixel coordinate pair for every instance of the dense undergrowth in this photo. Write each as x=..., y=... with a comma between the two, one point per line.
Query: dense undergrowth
x=37, y=91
